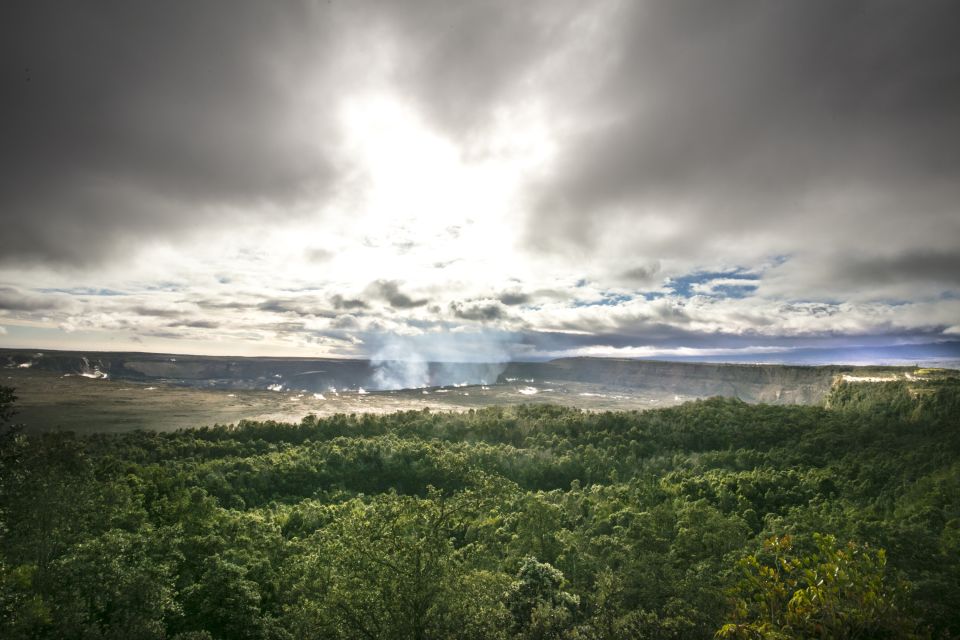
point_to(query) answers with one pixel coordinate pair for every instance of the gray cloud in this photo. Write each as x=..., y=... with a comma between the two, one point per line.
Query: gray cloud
x=319, y=255
x=461, y=60
x=775, y=125
x=511, y=298
x=339, y=302
x=126, y=119
x=389, y=290
x=279, y=306
x=642, y=274
x=942, y=268
x=305, y=306
x=516, y=297
x=220, y=304
x=284, y=327
x=15, y=299
x=129, y=118
x=857, y=274
x=481, y=311
x=195, y=324
x=158, y=333
x=155, y=312
x=346, y=321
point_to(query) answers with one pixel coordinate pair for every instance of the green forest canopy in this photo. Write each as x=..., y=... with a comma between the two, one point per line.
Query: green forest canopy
x=715, y=518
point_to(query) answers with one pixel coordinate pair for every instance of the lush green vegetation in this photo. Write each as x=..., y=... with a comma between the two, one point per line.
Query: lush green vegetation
x=714, y=518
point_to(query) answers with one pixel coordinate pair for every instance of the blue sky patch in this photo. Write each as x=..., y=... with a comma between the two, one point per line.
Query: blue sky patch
x=685, y=285
x=608, y=300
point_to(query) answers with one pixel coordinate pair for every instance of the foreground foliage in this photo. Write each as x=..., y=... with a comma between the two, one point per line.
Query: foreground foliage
x=712, y=519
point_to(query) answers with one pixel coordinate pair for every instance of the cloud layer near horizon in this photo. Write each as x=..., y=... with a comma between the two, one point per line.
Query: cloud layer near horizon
x=479, y=179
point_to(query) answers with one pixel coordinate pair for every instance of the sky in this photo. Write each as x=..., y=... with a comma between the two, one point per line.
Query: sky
x=479, y=180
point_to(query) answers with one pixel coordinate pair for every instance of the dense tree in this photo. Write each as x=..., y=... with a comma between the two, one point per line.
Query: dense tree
x=538, y=605
x=7, y=400
x=715, y=517
x=841, y=592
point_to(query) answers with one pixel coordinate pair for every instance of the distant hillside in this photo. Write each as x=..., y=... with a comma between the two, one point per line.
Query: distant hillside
x=208, y=371
x=779, y=384
x=221, y=372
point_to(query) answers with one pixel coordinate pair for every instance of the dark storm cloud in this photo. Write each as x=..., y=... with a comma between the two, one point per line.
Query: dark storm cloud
x=511, y=298
x=195, y=324
x=346, y=321
x=206, y=303
x=813, y=121
x=641, y=274
x=131, y=119
x=155, y=312
x=902, y=275
x=278, y=306
x=816, y=310
x=461, y=60
x=514, y=297
x=933, y=267
x=300, y=307
x=389, y=290
x=477, y=311
x=350, y=304
x=127, y=118
x=15, y=299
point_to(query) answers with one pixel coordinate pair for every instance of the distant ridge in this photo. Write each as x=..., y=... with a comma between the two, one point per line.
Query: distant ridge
x=771, y=383
x=752, y=382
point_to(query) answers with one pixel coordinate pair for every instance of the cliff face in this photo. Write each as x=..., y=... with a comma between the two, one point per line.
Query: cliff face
x=778, y=384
